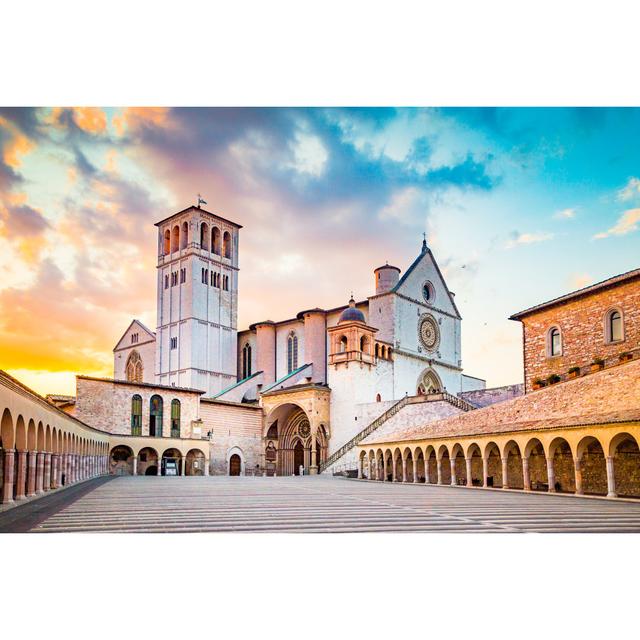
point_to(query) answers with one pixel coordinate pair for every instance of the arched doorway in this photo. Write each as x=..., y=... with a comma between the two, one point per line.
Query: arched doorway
x=235, y=465
x=121, y=461
x=194, y=463
x=171, y=463
x=298, y=457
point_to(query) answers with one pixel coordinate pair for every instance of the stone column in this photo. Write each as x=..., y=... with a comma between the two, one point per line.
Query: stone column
x=72, y=468
x=469, y=475
x=31, y=475
x=135, y=465
x=404, y=469
x=485, y=472
x=7, y=487
x=313, y=467
x=39, y=472
x=394, y=477
x=452, y=464
x=551, y=475
x=182, y=466
x=54, y=471
x=21, y=475
x=47, y=471
x=578, y=472
x=415, y=471
x=525, y=474
x=505, y=482
x=611, y=479
x=360, y=465
x=206, y=467
x=439, y=468
x=59, y=476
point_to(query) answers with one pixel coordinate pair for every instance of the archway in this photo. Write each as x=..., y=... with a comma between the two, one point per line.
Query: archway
x=432, y=466
x=428, y=383
x=121, y=461
x=195, y=463
x=494, y=465
x=537, y=461
x=408, y=465
x=148, y=462
x=563, y=465
x=514, y=478
x=397, y=465
x=235, y=465
x=380, y=465
x=388, y=465
x=475, y=456
x=298, y=458
x=420, y=469
x=171, y=463
x=445, y=465
x=459, y=465
x=593, y=466
x=626, y=465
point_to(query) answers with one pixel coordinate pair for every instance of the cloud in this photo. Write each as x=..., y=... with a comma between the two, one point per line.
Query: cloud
x=565, y=214
x=628, y=222
x=630, y=190
x=517, y=239
x=579, y=281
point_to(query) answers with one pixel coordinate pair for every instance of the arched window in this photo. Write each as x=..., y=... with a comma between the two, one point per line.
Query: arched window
x=204, y=236
x=377, y=350
x=136, y=415
x=555, y=342
x=185, y=235
x=343, y=344
x=215, y=240
x=246, y=361
x=226, y=241
x=175, y=238
x=378, y=397
x=167, y=242
x=134, y=370
x=292, y=352
x=614, y=329
x=155, y=416
x=175, y=418
x=364, y=344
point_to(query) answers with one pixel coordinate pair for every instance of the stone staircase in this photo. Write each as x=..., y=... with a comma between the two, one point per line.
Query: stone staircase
x=457, y=402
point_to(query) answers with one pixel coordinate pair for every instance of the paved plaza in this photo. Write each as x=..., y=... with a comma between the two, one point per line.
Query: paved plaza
x=309, y=504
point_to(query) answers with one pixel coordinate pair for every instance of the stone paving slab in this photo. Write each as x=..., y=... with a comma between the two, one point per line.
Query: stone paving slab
x=325, y=504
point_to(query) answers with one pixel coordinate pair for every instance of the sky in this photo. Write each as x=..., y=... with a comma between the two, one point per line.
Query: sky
x=519, y=205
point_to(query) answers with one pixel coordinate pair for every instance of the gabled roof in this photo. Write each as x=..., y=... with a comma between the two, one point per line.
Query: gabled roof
x=142, y=326
x=585, y=291
x=426, y=251
x=215, y=215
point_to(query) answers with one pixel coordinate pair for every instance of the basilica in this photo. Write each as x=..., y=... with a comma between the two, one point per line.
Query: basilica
x=283, y=396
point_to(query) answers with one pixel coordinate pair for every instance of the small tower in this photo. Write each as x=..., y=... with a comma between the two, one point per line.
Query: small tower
x=386, y=278
x=351, y=340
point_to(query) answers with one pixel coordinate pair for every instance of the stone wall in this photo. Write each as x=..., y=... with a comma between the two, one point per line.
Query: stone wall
x=234, y=429
x=582, y=326
x=485, y=397
x=106, y=405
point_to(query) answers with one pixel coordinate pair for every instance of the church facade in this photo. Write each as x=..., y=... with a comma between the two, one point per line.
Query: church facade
x=319, y=378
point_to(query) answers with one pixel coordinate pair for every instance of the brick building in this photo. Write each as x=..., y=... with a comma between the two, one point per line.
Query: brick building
x=595, y=326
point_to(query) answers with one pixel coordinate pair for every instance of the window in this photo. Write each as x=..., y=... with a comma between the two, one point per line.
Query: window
x=204, y=236
x=185, y=235
x=155, y=416
x=364, y=344
x=183, y=275
x=167, y=242
x=215, y=240
x=246, y=361
x=205, y=276
x=216, y=280
x=134, y=369
x=166, y=282
x=174, y=343
x=378, y=397
x=136, y=415
x=226, y=244
x=134, y=338
x=343, y=344
x=175, y=238
x=555, y=342
x=429, y=383
x=175, y=418
x=292, y=352
x=614, y=330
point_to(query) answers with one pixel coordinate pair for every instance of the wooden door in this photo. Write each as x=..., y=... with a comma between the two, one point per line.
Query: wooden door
x=235, y=465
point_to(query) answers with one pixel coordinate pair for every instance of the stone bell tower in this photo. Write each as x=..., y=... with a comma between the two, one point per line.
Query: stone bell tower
x=196, y=338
